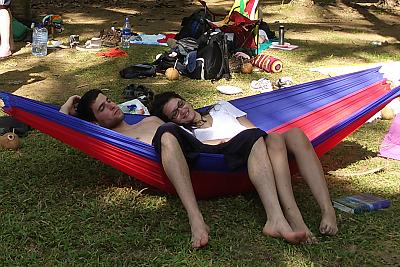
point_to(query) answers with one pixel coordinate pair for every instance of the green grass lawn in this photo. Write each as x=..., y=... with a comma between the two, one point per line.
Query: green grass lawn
x=59, y=207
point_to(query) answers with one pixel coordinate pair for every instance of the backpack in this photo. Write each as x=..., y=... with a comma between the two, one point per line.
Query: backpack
x=194, y=25
x=212, y=61
x=265, y=27
x=138, y=71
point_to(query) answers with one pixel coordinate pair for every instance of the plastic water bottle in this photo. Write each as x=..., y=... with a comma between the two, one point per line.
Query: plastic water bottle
x=39, y=41
x=126, y=34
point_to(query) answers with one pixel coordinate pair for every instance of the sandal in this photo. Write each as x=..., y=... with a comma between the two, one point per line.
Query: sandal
x=284, y=82
x=110, y=37
x=93, y=45
x=134, y=91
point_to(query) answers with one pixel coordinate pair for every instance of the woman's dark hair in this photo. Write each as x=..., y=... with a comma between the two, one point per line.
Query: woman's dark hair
x=84, y=108
x=159, y=102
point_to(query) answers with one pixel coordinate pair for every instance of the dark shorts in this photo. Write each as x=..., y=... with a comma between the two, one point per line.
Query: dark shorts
x=4, y=4
x=236, y=151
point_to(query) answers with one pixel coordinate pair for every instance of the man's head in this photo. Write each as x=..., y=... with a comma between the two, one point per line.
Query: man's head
x=94, y=106
x=169, y=106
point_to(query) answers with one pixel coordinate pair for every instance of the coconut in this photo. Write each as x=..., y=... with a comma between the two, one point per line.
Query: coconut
x=387, y=113
x=10, y=141
x=172, y=74
x=247, y=68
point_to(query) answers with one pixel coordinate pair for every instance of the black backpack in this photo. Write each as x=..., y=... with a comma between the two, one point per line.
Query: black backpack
x=212, y=61
x=194, y=25
x=138, y=71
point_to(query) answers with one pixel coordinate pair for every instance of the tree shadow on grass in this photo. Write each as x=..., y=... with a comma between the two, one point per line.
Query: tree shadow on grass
x=11, y=81
x=345, y=154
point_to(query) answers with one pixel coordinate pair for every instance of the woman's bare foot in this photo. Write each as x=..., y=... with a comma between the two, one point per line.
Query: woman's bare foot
x=297, y=224
x=282, y=229
x=310, y=238
x=200, y=232
x=328, y=225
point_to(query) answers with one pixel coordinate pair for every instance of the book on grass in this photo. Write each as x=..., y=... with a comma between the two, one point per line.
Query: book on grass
x=361, y=203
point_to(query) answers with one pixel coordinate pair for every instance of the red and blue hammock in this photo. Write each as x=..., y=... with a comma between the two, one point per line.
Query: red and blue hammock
x=327, y=110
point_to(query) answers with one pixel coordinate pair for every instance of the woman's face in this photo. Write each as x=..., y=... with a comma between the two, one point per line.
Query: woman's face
x=179, y=111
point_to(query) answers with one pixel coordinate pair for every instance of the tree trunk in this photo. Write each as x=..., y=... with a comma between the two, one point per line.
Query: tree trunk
x=306, y=3
x=21, y=10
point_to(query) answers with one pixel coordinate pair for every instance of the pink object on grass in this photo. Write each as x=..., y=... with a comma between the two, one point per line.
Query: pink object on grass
x=390, y=147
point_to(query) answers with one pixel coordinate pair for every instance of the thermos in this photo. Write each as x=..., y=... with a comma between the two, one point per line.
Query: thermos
x=281, y=35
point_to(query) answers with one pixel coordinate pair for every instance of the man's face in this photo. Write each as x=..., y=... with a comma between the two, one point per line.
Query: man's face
x=106, y=112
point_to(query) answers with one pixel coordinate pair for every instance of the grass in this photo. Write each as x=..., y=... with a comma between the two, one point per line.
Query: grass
x=58, y=207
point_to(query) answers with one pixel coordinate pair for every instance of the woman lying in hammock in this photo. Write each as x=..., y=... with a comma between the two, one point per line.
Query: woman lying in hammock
x=223, y=123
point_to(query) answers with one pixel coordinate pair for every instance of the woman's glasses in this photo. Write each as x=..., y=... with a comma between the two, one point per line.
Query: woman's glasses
x=175, y=113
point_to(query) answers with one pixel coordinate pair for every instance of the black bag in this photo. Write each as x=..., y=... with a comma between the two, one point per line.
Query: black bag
x=194, y=25
x=212, y=57
x=9, y=124
x=270, y=34
x=138, y=71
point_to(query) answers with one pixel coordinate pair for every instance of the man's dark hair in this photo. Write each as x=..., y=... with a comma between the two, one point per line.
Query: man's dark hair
x=159, y=102
x=84, y=110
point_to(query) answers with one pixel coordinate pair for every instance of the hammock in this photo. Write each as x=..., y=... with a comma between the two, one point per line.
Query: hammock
x=326, y=110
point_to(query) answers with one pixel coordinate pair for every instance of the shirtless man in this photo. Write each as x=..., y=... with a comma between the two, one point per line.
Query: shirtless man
x=95, y=107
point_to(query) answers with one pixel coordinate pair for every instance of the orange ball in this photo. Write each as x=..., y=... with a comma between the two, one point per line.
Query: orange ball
x=172, y=74
x=10, y=141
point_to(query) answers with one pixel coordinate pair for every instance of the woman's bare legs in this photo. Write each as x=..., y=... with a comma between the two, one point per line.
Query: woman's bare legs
x=311, y=170
x=277, y=150
x=177, y=170
x=262, y=177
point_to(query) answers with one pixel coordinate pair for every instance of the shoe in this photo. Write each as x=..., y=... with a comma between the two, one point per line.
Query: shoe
x=110, y=37
x=263, y=85
x=284, y=82
x=141, y=92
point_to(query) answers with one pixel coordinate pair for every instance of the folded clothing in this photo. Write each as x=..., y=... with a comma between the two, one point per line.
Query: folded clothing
x=113, y=52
